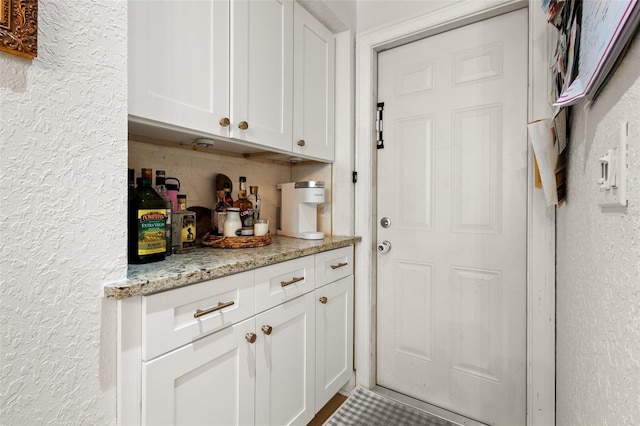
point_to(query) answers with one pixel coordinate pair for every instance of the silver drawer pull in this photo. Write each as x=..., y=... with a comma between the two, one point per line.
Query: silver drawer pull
x=221, y=305
x=339, y=265
x=293, y=281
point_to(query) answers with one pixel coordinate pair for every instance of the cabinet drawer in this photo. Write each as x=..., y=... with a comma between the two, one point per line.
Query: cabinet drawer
x=278, y=283
x=171, y=319
x=333, y=265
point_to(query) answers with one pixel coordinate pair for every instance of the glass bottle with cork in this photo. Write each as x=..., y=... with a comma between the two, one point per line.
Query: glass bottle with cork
x=147, y=241
x=256, y=201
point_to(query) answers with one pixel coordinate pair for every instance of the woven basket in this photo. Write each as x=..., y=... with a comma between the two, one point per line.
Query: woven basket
x=235, y=242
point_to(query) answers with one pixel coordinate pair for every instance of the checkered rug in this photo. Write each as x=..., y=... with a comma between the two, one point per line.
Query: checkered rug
x=365, y=408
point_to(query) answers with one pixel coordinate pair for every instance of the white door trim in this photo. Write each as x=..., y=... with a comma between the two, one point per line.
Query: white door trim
x=540, y=219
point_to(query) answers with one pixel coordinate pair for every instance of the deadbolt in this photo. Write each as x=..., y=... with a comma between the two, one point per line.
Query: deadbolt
x=385, y=222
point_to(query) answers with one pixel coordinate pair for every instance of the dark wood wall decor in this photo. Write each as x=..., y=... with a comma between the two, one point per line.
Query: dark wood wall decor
x=19, y=27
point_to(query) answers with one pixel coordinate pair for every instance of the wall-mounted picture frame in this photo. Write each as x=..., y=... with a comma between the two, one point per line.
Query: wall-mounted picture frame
x=19, y=27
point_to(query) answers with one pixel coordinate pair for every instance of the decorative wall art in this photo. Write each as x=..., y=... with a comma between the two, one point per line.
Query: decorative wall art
x=19, y=27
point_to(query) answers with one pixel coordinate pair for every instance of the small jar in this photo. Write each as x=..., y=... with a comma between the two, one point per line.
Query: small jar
x=182, y=202
x=232, y=222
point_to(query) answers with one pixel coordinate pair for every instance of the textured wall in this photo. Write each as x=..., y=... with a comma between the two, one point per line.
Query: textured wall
x=598, y=267
x=63, y=218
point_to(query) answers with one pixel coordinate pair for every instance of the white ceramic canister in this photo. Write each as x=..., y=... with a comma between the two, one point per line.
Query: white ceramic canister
x=232, y=222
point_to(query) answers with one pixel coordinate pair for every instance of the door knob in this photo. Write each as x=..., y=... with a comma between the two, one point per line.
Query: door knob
x=301, y=142
x=384, y=247
x=243, y=125
x=324, y=300
x=251, y=337
x=267, y=329
x=385, y=222
x=224, y=122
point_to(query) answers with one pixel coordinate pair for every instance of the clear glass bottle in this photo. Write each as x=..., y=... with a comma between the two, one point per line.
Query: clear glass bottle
x=219, y=213
x=147, y=223
x=184, y=227
x=256, y=201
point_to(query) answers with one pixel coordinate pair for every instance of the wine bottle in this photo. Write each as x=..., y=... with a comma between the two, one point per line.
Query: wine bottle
x=161, y=189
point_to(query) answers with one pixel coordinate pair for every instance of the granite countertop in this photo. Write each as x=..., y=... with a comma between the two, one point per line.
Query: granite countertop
x=206, y=263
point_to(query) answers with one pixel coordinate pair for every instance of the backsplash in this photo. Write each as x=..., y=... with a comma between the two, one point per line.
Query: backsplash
x=196, y=171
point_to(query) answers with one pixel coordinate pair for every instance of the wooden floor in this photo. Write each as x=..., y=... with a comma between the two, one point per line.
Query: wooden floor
x=326, y=411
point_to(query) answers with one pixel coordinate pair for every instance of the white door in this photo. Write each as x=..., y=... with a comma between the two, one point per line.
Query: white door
x=452, y=180
x=285, y=363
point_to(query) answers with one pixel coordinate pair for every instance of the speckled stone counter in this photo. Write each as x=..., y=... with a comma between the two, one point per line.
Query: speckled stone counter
x=206, y=263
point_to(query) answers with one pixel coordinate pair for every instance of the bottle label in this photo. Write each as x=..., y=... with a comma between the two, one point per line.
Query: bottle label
x=151, y=231
x=188, y=231
x=246, y=218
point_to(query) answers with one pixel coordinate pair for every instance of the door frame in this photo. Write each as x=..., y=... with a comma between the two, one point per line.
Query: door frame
x=540, y=218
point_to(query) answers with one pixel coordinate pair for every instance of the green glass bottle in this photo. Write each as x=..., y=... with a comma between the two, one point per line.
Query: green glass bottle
x=147, y=223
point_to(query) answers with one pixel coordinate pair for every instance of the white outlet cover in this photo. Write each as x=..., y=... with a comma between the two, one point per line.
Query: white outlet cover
x=616, y=196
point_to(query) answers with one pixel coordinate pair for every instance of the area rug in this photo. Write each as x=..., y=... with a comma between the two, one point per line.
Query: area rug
x=364, y=407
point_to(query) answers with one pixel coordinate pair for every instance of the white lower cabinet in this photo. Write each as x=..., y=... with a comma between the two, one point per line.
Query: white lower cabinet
x=285, y=363
x=211, y=354
x=334, y=338
x=208, y=382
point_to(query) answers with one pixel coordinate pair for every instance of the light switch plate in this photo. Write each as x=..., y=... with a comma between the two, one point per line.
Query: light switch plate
x=613, y=173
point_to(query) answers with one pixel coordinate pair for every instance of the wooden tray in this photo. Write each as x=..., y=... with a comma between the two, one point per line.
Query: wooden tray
x=235, y=242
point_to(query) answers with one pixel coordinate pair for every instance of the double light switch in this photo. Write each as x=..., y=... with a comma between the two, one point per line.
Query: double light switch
x=613, y=173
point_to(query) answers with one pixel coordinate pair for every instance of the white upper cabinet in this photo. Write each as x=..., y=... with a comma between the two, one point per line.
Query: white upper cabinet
x=313, y=116
x=257, y=73
x=262, y=72
x=179, y=63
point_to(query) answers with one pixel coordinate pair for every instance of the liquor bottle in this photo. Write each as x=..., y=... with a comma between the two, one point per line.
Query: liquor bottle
x=256, y=201
x=220, y=213
x=147, y=223
x=161, y=189
x=246, y=209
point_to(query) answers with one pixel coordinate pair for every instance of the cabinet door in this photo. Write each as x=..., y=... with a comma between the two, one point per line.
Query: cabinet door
x=334, y=338
x=262, y=71
x=210, y=381
x=313, y=116
x=285, y=363
x=179, y=63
